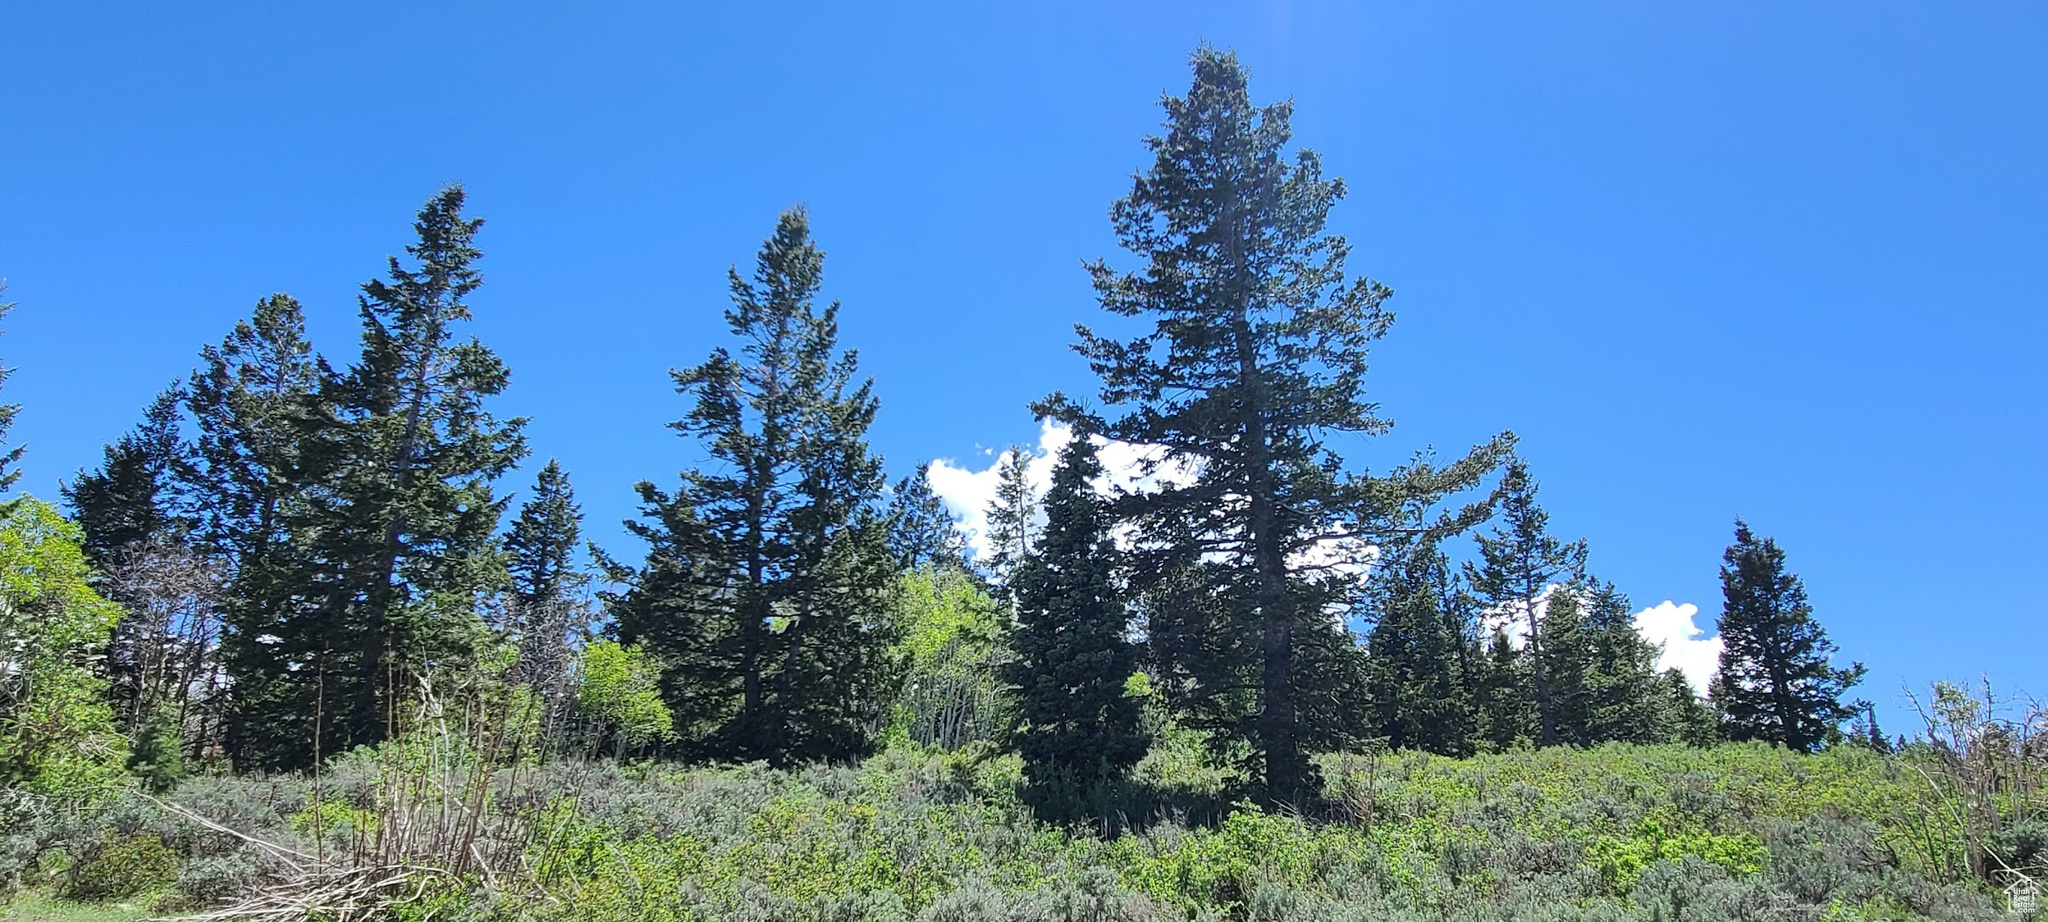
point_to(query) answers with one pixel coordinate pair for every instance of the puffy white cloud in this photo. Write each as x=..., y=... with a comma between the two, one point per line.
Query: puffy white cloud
x=1670, y=626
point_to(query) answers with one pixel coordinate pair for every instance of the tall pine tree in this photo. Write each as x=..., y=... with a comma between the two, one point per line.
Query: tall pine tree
x=137, y=495
x=1256, y=357
x=1074, y=656
x=766, y=586
x=547, y=604
x=1520, y=563
x=1776, y=681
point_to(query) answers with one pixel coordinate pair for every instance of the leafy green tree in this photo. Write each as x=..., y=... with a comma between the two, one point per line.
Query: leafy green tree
x=619, y=690
x=766, y=587
x=1418, y=651
x=1776, y=682
x=1255, y=358
x=954, y=642
x=1519, y=564
x=1012, y=518
x=9, y=456
x=921, y=531
x=57, y=733
x=1074, y=656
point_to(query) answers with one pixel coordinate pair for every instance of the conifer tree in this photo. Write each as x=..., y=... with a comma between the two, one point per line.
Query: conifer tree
x=137, y=493
x=1503, y=713
x=1012, y=518
x=1775, y=682
x=393, y=518
x=765, y=590
x=1074, y=656
x=921, y=531
x=1519, y=563
x=1255, y=358
x=1623, y=699
x=9, y=456
x=256, y=408
x=546, y=602
x=1417, y=652
x=1692, y=721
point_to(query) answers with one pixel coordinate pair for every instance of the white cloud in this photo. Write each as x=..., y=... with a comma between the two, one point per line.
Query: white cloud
x=968, y=492
x=1686, y=648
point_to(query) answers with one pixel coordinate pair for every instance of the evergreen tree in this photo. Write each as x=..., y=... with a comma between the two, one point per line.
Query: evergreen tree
x=546, y=600
x=9, y=456
x=1073, y=653
x=1418, y=651
x=394, y=516
x=1256, y=357
x=136, y=494
x=921, y=531
x=1012, y=518
x=765, y=591
x=1692, y=721
x=1775, y=682
x=256, y=407
x=1624, y=701
x=1503, y=714
x=1519, y=563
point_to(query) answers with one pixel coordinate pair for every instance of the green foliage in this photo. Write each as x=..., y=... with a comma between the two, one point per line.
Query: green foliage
x=1519, y=563
x=123, y=867
x=9, y=457
x=765, y=588
x=156, y=755
x=1775, y=682
x=953, y=642
x=1074, y=658
x=57, y=734
x=921, y=531
x=619, y=686
x=1254, y=360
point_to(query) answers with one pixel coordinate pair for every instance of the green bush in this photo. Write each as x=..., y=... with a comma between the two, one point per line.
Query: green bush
x=123, y=868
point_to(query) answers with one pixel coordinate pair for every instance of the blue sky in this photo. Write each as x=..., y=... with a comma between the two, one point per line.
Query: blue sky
x=1706, y=261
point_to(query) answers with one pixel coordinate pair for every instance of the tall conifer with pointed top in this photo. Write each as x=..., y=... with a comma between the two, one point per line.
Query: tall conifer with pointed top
x=1776, y=682
x=1519, y=563
x=1074, y=656
x=765, y=590
x=1012, y=518
x=1417, y=651
x=1255, y=358
x=138, y=494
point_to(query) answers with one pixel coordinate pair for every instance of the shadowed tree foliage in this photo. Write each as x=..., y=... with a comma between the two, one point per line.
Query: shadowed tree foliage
x=1074, y=656
x=547, y=604
x=137, y=495
x=1255, y=357
x=1775, y=682
x=1419, y=651
x=765, y=591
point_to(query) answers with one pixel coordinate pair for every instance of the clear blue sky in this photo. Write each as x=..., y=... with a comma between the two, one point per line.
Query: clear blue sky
x=1707, y=260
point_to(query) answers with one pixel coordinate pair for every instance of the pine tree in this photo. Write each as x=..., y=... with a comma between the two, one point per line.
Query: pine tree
x=1519, y=563
x=137, y=494
x=1012, y=518
x=1692, y=721
x=1418, y=651
x=1256, y=357
x=393, y=520
x=1624, y=702
x=546, y=600
x=765, y=590
x=9, y=456
x=1503, y=714
x=1073, y=653
x=921, y=531
x=256, y=407
x=1775, y=682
